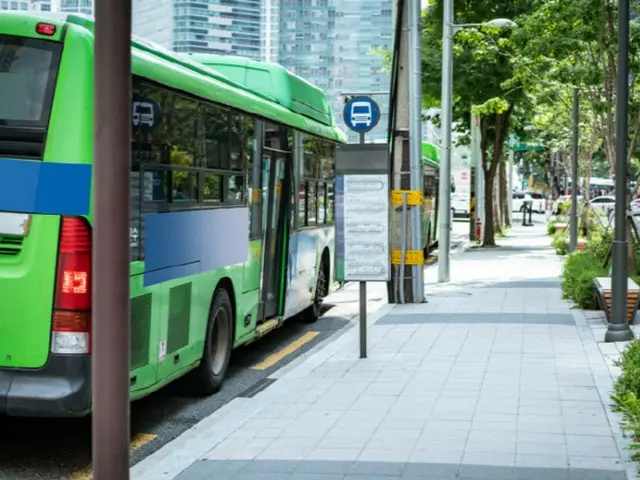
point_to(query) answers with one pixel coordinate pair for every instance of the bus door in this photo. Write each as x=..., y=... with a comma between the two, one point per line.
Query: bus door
x=275, y=178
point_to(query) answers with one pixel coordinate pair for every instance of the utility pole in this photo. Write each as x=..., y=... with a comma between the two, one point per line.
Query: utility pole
x=400, y=287
x=111, y=254
x=415, y=141
x=444, y=196
x=618, y=330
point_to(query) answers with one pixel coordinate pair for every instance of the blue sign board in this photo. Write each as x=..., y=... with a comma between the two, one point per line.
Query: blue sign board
x=361, y=114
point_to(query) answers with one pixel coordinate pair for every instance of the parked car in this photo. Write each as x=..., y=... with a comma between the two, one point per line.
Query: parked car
x=603, y=205
x=460, y=205
x=562, y=199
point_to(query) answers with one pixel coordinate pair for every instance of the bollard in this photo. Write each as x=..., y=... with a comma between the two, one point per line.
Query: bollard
x=528, y=207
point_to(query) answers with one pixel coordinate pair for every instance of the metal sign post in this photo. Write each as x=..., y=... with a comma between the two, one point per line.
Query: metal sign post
x=362, y=220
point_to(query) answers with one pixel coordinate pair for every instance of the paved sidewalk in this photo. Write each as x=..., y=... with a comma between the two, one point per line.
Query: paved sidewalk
x=494, y=378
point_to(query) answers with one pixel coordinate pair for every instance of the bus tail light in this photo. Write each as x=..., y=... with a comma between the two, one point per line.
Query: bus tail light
x=47, y=29
x=71, y=323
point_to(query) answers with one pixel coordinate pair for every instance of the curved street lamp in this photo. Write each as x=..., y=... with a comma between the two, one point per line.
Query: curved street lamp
x=444, y=194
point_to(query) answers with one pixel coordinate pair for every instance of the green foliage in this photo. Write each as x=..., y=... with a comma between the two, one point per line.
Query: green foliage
x=559, y=243
x=551, y=228
x=564, y=207
x=626, y=392
x=600, y=243
x=578, y=272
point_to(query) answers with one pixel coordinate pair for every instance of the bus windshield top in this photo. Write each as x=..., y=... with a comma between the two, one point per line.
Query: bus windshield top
x=28, y=69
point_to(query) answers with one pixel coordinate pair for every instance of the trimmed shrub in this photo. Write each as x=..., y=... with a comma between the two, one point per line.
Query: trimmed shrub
x=578, y=272
x=600, y=243
x=551, y=228
x=626, y=393
x=559, y=243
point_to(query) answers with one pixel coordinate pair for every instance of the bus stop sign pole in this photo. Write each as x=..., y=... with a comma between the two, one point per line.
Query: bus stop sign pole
x=112, y=144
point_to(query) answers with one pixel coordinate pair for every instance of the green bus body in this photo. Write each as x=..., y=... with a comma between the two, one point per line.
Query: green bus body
x=431, y=169
x=279, y=127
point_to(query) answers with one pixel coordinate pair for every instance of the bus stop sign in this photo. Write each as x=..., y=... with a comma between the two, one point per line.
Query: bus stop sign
x=361, y=114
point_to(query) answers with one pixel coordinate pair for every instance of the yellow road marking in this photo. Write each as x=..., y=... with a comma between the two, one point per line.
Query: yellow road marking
x=288, y=350
x=137, y=442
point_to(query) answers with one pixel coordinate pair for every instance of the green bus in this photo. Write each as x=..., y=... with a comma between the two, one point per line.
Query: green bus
x=232, y=211
x=431, y=177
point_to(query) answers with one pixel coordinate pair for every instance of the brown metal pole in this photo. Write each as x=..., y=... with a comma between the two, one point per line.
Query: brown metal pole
x=112, y=143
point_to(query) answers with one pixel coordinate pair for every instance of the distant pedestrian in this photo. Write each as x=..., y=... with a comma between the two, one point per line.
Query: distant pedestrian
x=548, y=207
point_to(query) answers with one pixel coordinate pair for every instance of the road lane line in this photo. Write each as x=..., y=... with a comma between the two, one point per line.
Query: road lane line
x=271, y=360
x=137, y=442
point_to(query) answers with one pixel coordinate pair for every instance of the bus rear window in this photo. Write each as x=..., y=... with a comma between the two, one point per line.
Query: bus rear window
x=28, y=69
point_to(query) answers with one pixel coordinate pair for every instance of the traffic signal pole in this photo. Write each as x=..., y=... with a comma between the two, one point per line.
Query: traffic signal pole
x=111, y=210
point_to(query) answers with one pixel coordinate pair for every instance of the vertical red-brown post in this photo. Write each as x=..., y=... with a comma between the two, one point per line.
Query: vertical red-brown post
x=112, y=137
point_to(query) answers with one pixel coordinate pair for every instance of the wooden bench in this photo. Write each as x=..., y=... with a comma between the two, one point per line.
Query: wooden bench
x=603, y=293
x=581, y=244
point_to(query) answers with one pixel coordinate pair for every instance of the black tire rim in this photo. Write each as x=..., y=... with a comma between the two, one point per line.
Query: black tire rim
x=219, y=343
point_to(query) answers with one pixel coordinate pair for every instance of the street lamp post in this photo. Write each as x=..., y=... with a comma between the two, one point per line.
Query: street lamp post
x=449, y=29
x=573, y=230
x=618, y=330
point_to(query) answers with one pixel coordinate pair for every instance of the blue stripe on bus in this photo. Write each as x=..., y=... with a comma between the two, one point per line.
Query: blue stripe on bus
x=179, y=244
x=48, y=188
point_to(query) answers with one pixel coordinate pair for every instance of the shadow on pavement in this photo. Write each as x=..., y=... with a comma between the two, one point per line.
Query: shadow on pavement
x=361, y=470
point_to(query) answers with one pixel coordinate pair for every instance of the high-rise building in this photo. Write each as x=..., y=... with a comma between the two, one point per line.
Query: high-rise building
x=332, y=44
x=77, y=6
x=227, y=27
x=26, y=5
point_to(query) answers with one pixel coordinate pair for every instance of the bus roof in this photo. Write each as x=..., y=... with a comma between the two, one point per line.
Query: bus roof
x=275, y=104
x=273, y=81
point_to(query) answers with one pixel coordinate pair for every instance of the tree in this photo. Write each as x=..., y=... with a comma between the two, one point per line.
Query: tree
x=575, y=44
x=483, y=79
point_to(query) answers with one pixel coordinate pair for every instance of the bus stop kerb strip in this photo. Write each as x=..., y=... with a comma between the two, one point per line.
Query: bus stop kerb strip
x=363, y=162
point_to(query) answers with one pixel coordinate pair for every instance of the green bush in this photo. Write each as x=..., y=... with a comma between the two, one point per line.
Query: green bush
x=563, y=208
x=551, y=228
x=626, y=392
x=600, y=243
x=559, y=243
x=578, y=272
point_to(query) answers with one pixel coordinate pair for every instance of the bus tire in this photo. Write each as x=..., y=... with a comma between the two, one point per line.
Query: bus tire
x=314, y=311
x=208, y=377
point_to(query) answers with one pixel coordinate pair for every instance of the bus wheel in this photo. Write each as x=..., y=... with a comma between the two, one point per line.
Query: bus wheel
x=311, y=314
x=209, y=376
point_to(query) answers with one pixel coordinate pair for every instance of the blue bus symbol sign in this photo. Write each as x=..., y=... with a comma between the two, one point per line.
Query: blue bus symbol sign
x=361, y=114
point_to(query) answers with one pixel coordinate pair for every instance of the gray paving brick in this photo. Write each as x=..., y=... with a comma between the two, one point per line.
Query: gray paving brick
x=323, y=467
x=591, y=445
x=206, y=469
x=500, y=387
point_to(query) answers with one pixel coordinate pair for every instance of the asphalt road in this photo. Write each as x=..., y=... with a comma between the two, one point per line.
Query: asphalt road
x=60, y=449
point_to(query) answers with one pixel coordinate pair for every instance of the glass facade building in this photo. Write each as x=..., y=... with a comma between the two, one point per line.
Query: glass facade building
x=228, y=27
x=331, y=43
x=77, y=6
x=25, y=5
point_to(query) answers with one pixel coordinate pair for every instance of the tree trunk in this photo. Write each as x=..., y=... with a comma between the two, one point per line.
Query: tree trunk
x=504, y=193
x=497, y=212
x=489, y=239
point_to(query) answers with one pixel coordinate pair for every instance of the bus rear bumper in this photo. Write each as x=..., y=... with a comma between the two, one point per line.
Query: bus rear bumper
x=62, y=388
